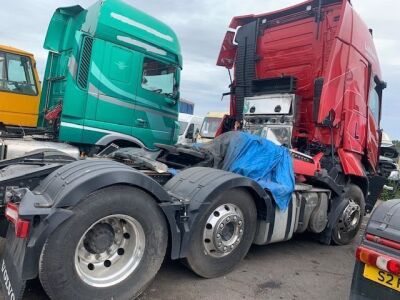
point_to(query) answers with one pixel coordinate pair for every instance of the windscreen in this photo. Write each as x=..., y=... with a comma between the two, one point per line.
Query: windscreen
x=16, y=74
x=210, y=127
x=280, y=135
x=183, y=126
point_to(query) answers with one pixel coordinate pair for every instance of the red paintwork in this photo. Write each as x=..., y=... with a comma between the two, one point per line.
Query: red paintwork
x=351, y=162
x=341, y=51
x=54, y=113
x=305, y=168
x=382, y=241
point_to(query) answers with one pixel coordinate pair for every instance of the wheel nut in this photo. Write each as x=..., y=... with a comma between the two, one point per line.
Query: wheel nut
x=240, y=222
x=235, y=218
x=219, y=244
x=225, y=248
x=241, y=230
x=228, y=219
x=221, y=226
x=218, y=236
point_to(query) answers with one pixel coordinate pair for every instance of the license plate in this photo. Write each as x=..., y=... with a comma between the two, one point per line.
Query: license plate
x=382, y=277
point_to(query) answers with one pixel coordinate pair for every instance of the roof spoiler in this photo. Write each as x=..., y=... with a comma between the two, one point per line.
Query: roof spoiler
x=228, y=49
x=56, y=40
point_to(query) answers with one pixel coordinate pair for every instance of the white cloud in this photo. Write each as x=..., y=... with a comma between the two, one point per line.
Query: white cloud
x=388, y=50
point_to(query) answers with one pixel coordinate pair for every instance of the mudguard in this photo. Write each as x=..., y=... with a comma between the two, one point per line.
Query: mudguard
x=70, y=184
x=53, y=198
x=338, y=204
x=198, y=187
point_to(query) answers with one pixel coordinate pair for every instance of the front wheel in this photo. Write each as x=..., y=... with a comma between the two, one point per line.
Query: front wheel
x=224, y=234
x=350, y=220
x=111, y=248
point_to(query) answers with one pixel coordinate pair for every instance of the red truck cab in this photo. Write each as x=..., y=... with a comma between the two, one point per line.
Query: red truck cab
x=323, y=53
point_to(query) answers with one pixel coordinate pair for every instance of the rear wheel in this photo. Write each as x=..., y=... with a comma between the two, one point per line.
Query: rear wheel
x=224, y=235
x=111, y=248
x=349, y=222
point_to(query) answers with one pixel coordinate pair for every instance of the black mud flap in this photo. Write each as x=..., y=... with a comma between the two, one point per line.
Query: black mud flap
x=339, y=205
x=13, y=285
x=376, y=184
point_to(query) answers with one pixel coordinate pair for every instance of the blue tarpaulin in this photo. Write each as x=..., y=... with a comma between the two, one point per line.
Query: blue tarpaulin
x=263, y=161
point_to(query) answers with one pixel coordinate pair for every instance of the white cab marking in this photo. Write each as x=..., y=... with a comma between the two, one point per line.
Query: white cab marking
x=142, y=26
x=140, y=44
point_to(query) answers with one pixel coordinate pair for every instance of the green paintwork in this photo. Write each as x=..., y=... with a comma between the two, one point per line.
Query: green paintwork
x=113, y=102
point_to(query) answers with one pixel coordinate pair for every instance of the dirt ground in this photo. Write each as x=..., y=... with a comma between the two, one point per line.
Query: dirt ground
x=294, y=270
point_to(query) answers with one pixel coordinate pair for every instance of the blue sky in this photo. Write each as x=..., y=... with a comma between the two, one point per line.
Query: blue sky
x=201, y=26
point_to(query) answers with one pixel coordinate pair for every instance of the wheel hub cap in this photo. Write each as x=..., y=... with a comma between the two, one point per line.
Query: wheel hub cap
x=351, y=216
x=110, y=250
x=99, y=238
x=223, y=231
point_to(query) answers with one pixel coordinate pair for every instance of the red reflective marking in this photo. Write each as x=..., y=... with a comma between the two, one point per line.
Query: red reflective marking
x=382, y=241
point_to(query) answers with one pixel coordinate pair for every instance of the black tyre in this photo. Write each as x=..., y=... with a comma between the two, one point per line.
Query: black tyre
x=349, y=222
x=111, y=248
x=224, y=234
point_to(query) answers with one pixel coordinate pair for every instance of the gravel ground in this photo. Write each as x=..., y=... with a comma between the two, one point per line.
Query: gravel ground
x=300, y=269
x=294, y=270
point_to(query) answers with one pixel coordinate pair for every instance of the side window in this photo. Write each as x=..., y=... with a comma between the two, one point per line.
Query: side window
x=182, y=127
x=158, y=77
x=374, y=102
x=16, y=70
x=182, y=107
x=16, y=74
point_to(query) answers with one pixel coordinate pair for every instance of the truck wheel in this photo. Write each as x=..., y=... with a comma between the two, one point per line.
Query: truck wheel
x=111, y=248
x=350, y=220
x=224, y=235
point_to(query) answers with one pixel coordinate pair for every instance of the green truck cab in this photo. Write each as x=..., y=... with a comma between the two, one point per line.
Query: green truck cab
x=112, y=76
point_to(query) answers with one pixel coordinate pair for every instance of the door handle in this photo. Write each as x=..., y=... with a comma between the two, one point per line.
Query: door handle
x=141, y=122
x=356, y=134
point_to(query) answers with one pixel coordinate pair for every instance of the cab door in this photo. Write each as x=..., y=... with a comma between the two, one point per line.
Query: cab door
x=156, y=111
x=19, y=90
x=113, y=81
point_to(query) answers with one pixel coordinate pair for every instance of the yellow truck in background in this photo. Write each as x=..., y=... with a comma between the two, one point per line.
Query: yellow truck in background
x=211, y=123
x=19, y=88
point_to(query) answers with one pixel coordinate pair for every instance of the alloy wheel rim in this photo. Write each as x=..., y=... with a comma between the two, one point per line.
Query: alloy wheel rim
x=223, y=230
x=110, y=250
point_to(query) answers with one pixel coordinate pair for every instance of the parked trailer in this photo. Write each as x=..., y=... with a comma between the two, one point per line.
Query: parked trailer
x=99, y=228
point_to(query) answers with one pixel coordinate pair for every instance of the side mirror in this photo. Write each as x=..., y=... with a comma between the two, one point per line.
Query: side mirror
x=175, y=93
x=380, y=83
x=189, y=134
